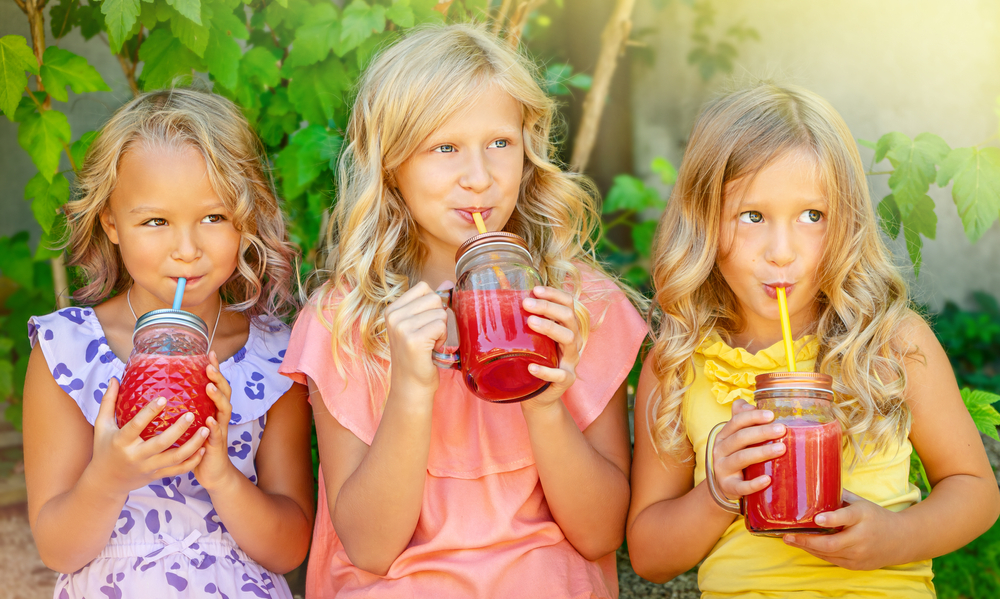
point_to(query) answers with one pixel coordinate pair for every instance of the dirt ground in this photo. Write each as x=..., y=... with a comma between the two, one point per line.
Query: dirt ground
x=24, y=576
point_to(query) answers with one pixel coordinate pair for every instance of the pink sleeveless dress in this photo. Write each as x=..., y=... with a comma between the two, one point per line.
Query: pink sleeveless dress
x=485, y=529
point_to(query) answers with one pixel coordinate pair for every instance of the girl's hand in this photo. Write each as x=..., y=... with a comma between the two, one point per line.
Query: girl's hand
x=124, y=462
x=216, y=466
x=416, y=324
x=553, y=316
x=866, y=543
x=733, y=452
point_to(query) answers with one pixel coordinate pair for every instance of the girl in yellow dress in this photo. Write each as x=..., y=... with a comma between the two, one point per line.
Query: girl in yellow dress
x=772, y=193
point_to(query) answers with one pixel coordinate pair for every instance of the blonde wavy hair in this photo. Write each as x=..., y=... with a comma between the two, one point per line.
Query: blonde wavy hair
x=374, y=252
x=234, y=157
x=862, y=303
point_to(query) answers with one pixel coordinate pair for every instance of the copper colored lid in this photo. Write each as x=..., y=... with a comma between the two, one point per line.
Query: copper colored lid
x=776, y=381
x=491, y=237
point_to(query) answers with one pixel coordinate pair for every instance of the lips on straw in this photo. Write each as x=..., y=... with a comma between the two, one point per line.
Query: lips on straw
x=179, y=294
x=786, y=328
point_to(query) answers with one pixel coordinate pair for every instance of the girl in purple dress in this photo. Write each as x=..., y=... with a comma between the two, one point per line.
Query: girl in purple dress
x=173, y=187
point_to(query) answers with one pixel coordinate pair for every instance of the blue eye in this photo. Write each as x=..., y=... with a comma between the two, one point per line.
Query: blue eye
x=445, y=149
x=500, y=143
x=751, y=217
x=810, y=216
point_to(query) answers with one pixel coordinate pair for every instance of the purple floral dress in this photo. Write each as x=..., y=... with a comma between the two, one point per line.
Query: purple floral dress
x=168, y=541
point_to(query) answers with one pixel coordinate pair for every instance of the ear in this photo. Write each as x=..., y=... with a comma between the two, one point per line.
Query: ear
x=108, y=224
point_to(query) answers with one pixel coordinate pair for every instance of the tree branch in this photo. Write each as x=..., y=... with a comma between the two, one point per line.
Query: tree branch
x=500, y=18
x=520, y=19
x=613, y=41
x=21, y=5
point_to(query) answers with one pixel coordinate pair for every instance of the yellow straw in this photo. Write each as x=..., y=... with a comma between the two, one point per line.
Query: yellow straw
x=479, y=222
x=504, y=283
x=786, y=328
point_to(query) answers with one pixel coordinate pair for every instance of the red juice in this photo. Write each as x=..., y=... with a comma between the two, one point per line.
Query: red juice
x=496, y=345
x=805, y=480
x=180, y=379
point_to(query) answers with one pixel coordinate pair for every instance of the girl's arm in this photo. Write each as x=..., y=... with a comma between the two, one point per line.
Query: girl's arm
x=375, y=493
x=79, y=475
x=272, y=520
x=964, y=501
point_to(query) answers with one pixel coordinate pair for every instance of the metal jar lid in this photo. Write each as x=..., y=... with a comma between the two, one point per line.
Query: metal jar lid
x=494, y=240
x=169, y=316
x=794, y=381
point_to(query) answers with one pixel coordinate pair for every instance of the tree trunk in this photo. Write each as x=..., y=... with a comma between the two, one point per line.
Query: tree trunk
x=613, y=41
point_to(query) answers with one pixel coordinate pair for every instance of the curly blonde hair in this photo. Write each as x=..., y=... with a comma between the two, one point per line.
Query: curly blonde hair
x=373, y=250
x=234, y=157
x=862, y=304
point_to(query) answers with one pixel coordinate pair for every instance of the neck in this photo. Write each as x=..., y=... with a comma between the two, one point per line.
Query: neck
x=142, y=301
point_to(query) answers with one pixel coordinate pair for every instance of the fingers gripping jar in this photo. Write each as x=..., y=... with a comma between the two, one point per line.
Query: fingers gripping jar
x=169, y=357
x=494, y=274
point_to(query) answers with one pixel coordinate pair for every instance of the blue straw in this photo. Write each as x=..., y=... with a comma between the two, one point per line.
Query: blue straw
x=179, y=294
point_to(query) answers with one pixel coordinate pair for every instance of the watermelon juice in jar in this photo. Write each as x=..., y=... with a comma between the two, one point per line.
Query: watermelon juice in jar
x=806, y=479
x=494, y=275
x=169, y=357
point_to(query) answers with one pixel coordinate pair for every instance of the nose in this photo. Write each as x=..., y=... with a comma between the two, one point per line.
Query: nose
x=780, y=246
x=476, y=175
x=186, y=248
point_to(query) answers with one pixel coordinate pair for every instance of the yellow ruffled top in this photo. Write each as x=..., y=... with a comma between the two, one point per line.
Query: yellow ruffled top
x=745, y=566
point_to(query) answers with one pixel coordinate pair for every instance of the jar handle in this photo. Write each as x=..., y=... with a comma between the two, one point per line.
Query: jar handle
x=446, y=360
x=733, y=507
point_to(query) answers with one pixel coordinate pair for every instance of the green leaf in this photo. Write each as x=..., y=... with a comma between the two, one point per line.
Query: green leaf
x=120, y=17
x=921, y=221
x=580, y=81
x=401, y=13
x=165, y=59
x=914, y=163
x=425, y=11
x=555, y=77
x=78, y=151
x=315, y=91
x=192, y=34
x=15, y=58
x=868, y=144
x=279, y=118
x=189, y=8
x=642, y=237
x=42, y=136
x=359, y=22
x=629, y=193
x=222, y=54
x=889, y=217
x=15, y=260
x=47, y=198
x=261, y=67
x=62, y=68
x=980, y=406
x=977, y=187
x=315, y=39
x=307, y=155
x=662, y=167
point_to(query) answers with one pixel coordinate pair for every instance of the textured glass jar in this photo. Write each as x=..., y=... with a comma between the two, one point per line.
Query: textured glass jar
x=494, y=274
x=169, y=356
x=806, y=478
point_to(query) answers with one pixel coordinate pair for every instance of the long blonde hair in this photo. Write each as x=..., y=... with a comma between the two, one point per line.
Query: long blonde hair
x=862, y=303
x=234, y=157
x=374, y=252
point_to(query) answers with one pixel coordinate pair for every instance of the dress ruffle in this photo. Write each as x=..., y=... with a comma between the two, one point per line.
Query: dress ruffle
x=732, y=371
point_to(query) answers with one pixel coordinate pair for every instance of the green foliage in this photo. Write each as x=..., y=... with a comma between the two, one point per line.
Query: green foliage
x=972, y=571
x=718, y=56
x=559, y=77
x=15, y=59
x=925, y=160
x=971, y=338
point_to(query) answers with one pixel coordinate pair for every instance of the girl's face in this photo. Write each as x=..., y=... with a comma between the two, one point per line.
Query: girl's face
x=472, y=163
x=773, y=234
x=168, y=222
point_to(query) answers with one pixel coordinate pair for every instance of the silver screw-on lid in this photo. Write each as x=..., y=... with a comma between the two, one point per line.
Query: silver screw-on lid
x=169, y=316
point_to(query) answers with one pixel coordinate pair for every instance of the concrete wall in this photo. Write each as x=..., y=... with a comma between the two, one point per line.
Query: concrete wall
x=892, y=65
x=85, y=113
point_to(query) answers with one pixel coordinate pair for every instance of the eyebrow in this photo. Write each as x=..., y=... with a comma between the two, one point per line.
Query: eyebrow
x=146, y=209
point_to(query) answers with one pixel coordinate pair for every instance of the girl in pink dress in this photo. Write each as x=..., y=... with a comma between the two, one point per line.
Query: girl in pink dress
x=427, y=490
x=174, y=186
